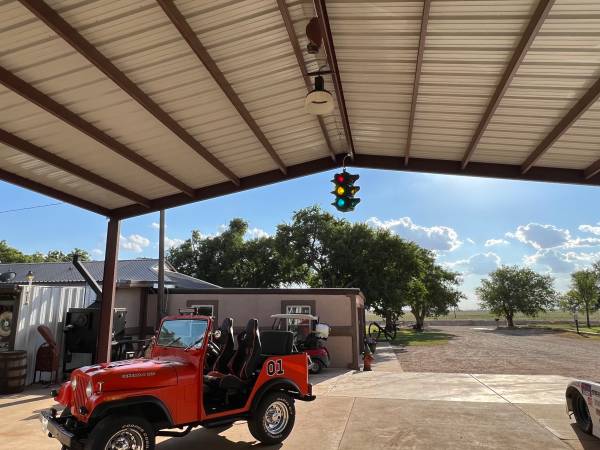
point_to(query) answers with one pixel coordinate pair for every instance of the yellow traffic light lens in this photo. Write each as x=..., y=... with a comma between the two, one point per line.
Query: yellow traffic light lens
x=340, y=190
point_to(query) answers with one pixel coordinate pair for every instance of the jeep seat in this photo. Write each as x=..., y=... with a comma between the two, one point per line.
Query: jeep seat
x=246, y=358
x=226, y=348
x=277, y=342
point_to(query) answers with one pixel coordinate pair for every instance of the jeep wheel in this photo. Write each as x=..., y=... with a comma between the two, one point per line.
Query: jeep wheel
x=274, y=418
x=121, y=433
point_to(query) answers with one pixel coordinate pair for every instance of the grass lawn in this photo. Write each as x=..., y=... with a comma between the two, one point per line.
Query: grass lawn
x=427, y=337
x=565, y=326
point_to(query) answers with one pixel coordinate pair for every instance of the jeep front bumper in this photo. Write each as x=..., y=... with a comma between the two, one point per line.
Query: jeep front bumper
x=54, y=428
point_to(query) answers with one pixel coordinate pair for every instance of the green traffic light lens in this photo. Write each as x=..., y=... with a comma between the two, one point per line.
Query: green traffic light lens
x=341, y=202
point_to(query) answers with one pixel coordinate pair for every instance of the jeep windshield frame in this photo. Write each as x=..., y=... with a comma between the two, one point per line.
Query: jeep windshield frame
x=182, y=333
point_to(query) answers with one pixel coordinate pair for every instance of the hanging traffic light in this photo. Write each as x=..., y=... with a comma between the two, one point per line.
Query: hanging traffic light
x=344, y=191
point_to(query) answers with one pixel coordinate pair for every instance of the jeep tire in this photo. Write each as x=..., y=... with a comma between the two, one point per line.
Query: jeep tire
x=273, y=419
x=120, y=431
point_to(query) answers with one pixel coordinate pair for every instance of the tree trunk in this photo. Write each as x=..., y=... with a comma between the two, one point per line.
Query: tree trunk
x=587, y=315
x=509, y=321
x=419, y=321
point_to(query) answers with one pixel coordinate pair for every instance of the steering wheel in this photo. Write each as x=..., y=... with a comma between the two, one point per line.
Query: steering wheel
x=213, y=348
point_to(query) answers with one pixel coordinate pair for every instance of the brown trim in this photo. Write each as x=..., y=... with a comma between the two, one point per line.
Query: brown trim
x=109, y=284
x=191, y=38
x=582, y=105
x=415, y=94
x=355, y=348
x=143, y=313
x=35, y=96
x=333, y=65
x=340, y=330
x=202, y=302
x=536, y=22
x=289, y=26
x=51, y=192
x=446, y=167
x=311, y=303
x=30, y=149
x=53, y=20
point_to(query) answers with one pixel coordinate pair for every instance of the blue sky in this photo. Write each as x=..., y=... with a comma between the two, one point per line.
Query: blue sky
x=473, y=224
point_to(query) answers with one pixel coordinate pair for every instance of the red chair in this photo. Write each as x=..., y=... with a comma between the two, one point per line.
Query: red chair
x=47, y=357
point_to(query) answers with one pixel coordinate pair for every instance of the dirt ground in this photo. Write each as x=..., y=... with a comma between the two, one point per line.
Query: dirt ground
x=502, y=351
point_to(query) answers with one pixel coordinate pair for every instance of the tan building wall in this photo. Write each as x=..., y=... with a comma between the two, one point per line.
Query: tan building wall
x=338, y=310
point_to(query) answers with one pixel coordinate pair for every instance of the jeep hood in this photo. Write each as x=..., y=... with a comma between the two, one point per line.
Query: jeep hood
x=132, y=374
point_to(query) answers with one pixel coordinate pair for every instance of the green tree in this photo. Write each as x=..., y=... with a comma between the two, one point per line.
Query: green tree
x=584, y=292
x=10, y=254
x=512, y=289
x=434, y=292
x=330, y=252
x=231, y=260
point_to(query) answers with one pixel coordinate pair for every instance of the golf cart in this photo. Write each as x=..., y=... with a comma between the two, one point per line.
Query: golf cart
x=309, y=337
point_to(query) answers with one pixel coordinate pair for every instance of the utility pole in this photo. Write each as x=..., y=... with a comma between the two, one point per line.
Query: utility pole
x=160, y=301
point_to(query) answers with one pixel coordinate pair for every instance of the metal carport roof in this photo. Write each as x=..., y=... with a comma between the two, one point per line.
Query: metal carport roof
x=129, y=107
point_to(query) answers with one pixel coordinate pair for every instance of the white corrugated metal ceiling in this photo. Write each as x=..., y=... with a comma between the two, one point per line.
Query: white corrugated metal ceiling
x=549, y=104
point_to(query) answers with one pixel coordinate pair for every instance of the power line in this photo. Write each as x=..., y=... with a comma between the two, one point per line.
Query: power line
x=30, y=207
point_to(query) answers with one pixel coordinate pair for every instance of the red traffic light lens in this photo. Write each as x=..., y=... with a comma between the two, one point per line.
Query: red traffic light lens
x=339, y=178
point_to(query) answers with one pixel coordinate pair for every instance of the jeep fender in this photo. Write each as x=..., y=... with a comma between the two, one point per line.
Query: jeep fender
x=151, y=406
x=277, y=384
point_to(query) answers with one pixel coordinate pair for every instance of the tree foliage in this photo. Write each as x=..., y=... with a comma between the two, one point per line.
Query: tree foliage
x=584, y=293
x=512, y=289
x=433, y=292
x=10, y=254
x=319, y=250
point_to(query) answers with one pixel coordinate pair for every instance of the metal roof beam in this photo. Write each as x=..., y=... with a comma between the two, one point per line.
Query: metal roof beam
x=289, y=26
x=53, y=20
x=54, y=160
x=191, y=38
x=27, y=91
x=40, y=188
x=582, y=105
x=422, y=165
x=335, y=71
x=415, y=94
x=535, y=23
x=30, y=149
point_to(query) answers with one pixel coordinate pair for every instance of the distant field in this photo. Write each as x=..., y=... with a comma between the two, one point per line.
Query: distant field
x=486, y=315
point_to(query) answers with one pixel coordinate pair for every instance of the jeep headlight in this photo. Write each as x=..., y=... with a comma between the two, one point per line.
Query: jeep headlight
x=89, y=390
x=74, y=383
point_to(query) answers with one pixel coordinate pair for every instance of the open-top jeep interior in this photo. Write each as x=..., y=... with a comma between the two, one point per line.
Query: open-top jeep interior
x=232, y=363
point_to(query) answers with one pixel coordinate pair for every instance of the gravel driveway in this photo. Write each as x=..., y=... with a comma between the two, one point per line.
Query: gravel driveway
x=521, y=351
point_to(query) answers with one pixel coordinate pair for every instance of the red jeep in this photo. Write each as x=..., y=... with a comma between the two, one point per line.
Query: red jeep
x=195, y=376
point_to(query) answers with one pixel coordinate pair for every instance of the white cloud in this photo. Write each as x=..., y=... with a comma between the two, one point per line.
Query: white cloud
x=471, y=241
x=134, y=242
x=478, y=264
x=97, y=252
x=255, y=233
x=170, y=243
x=492, y=242
x=590, y=229
x=434, y=238
x=541, y=236
x=553, y=260
x=155, y=225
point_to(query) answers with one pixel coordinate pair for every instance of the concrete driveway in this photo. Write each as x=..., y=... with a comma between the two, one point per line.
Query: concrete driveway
x=383, y=409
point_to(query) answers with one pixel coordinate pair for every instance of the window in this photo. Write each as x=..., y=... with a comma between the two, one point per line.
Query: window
x=297, y=326
x=182, y=333
x=203, y=310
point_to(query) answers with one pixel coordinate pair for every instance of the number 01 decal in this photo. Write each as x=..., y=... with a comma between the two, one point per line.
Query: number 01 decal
x=275, y=367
